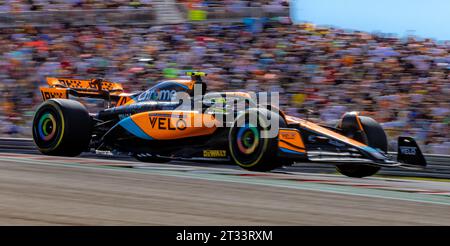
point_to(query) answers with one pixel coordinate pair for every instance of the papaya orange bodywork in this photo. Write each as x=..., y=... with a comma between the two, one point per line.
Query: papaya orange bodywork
x=323, y=130
x=48, y=93
x=114, y=88
x=290, y=139
x=125, y=99
x=166, y=125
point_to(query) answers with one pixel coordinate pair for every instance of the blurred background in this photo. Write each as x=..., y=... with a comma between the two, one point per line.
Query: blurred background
x=319, y=55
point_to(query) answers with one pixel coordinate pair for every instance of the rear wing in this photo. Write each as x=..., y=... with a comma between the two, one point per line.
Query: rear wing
x=95, y=88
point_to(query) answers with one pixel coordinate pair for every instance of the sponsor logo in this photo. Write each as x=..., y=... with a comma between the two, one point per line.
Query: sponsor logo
x=73, y=83
x=171, y=124
x=47, y=95
x=90, y=84
x=214, y=153
x=408, y=150
x=287, y=135
x=157, y=95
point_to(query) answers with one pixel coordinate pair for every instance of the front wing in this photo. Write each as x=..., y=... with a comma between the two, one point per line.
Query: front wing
x=308, y=141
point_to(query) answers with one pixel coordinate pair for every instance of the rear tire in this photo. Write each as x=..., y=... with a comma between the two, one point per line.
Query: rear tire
x=62, y=127
x=251, y=150
x=375, y=138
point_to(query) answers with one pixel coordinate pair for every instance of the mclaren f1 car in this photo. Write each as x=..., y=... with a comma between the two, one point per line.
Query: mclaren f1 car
x=154, y=127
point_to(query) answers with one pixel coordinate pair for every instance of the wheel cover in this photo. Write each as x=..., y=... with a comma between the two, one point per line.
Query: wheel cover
x=47, y=127
x=247, y=146
x=247, y=139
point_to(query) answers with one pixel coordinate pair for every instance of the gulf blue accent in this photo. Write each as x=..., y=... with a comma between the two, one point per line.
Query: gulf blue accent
x=374, y=153
x=134, y=129
x=173, y=82
x=291, y=151
x=369, y=149
x=241, y=131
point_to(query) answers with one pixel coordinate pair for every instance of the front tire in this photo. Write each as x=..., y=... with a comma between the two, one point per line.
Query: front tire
x=62, y=127
x=250, y=145
x=375, y=137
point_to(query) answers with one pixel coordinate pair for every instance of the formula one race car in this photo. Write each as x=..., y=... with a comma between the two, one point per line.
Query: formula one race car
x=159, y=125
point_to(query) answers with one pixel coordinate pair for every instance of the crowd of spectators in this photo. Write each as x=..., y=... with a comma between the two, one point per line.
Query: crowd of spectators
x=53, y=5
x=49, y=5
x=400, y=82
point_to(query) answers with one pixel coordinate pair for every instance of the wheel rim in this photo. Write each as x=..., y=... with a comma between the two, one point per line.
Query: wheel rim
x=247, y=139
x=248, y=143
x=47, y=127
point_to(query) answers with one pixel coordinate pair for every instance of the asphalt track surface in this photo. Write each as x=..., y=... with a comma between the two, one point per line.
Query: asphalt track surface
x=44, y=190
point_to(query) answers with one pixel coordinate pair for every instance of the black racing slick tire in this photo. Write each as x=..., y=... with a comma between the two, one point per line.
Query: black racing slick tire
x=251, y=145
x=62, y=127
x=375, y=137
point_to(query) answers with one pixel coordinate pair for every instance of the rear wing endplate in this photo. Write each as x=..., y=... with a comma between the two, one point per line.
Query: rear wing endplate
x=409, y=153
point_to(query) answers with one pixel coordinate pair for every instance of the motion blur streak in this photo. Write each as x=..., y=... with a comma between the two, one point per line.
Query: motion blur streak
x=57, y=190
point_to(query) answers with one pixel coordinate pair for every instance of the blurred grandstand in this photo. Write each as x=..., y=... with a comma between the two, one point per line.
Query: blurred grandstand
x=248, y=45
